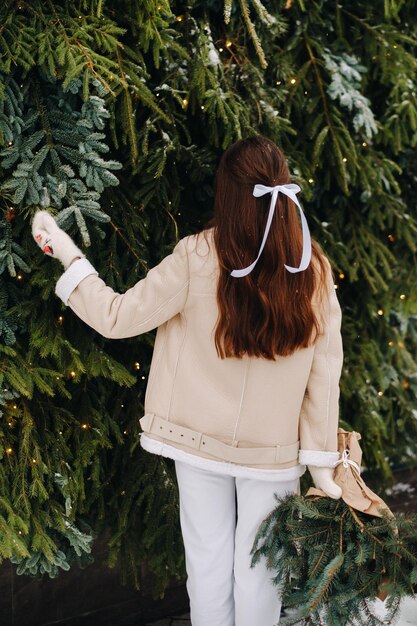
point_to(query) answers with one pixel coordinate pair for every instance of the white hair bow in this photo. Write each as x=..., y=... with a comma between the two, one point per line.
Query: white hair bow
x=289, y=190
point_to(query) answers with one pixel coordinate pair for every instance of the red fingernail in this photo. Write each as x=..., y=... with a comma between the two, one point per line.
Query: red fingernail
x=48, y=250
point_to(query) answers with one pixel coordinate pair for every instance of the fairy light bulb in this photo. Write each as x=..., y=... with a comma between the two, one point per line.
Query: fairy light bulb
x=403, y=296
x=9, y=450
x=137, y=365
x=228, y=43
x=293, y=81
x=380, y=312
x=73, y=374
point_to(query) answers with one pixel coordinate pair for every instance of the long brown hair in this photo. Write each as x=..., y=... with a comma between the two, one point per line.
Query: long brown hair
x=268, y=313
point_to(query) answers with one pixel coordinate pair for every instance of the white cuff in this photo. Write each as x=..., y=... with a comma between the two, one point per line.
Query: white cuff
x=319, y=458
x=72, y=277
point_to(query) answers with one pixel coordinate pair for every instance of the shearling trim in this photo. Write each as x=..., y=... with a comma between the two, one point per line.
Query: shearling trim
x=72, y=277
x=319, y=458
x=219, y=467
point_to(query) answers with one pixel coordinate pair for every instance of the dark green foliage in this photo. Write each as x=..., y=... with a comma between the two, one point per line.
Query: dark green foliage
x=162, y=88
x=329, y=562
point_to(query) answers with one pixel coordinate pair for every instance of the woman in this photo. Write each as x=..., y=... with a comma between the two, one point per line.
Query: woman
x=244, y=382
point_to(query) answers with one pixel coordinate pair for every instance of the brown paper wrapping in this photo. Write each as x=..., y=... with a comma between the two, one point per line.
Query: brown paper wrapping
x=354, y=490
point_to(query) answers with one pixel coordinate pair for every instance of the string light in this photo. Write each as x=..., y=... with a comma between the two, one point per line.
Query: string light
x=60, y=319
x=179, y=18
x=73, y=374
x=278, y=82
x=344, y=159
x=403, y=296
x=311, y=181
x=406, y=384
x=341, y=276
x=364, y=144
x=84, y=426
x=390, y=343
x=9, y=450
x=125, y=432
x=202, y=107
x=123, y=493
x=293, y=81
x=185, y=102
x=143, y=377
x=391, y=237
x=380, y=393
x=229, y=43
x=34, y=461
x=380, y=312
x=19, y=277
x=137, y=365
x=400, y=345
x=220, y=49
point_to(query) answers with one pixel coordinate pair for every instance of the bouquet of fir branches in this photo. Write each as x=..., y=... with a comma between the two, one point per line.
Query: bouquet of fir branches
x=331, y=559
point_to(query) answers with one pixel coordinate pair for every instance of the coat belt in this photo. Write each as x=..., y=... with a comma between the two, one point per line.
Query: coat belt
x=152, y=424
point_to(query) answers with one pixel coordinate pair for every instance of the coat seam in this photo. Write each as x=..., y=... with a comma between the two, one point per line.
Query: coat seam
x=242, y=395
x=158, y=310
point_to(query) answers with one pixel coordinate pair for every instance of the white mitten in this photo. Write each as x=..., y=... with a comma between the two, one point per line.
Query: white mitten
x=53, y=240
x=323, y=479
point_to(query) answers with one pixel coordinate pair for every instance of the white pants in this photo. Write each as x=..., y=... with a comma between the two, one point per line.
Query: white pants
x=223, y=589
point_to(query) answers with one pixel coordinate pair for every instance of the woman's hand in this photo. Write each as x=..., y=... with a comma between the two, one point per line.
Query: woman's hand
x=323, y=479
x=53, y=240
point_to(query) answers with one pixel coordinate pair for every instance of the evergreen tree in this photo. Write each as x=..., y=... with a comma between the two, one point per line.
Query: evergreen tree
x=113, y=115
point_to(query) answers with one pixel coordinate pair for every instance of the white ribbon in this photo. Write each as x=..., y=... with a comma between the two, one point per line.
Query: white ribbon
x=347, y=461
x=289, y=190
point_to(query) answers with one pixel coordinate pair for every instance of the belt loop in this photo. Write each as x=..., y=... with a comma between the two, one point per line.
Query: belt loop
x=197, y=440
x=277, y=453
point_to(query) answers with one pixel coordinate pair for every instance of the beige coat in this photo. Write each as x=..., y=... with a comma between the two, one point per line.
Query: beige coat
x=247, y=415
